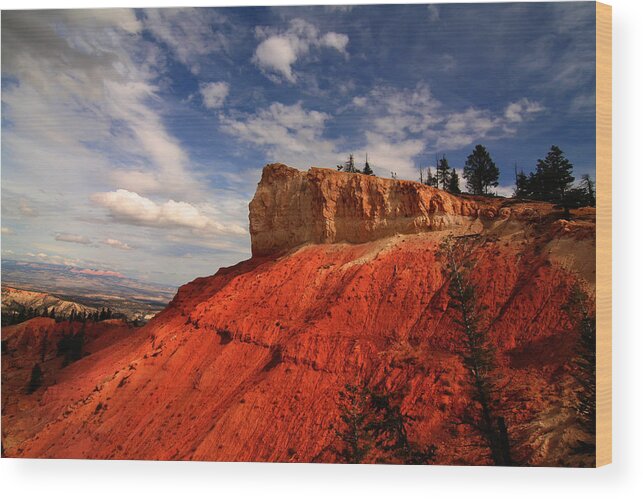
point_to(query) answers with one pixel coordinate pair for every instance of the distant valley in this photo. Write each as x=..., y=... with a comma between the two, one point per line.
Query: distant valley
x=43, y=285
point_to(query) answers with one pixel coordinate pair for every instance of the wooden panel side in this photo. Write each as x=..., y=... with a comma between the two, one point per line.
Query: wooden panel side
x=603, y=234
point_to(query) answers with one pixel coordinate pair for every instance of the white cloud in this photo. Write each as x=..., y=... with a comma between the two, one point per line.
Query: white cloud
x=337, y=41
x=214, y=93
x=504, y=190
x=277, y=54
x=464, y=128
x=360, y=101
x=131, y=208
x=279, y=51
x=397, y=127
x=290, y=134
x=73, y=238
x=188, y=32
x=115, y=243
x=82, y=126
x=518, y=111
x=404, y=117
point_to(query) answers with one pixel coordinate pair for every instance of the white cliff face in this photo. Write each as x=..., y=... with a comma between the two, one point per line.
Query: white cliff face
x=292, y=207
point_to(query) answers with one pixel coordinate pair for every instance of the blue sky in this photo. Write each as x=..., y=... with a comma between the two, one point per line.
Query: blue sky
x=133, y=140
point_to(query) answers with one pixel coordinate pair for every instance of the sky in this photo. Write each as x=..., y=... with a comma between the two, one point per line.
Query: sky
x=133, y=139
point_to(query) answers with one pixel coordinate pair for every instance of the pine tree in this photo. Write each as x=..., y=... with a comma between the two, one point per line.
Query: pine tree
x=36, y=379
x=431, y=179
x=454, y=183
x=443, y=173
x=480, y=171
x=373, y=427
x=354, y=435
x=478, y=356
x=522, y=185
x=588, y=184
x=575, y=197
x=349, y=165
x=584, y=363
x=553, y=176
x=367, y=168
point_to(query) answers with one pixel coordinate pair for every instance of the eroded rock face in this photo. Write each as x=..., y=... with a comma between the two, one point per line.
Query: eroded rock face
x=292, y=207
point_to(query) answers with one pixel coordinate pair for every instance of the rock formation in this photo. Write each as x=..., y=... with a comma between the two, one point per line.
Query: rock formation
x=292, y=207
x=246, y=365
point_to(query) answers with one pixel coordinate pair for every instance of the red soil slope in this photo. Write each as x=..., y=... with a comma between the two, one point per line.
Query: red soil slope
x=246, y=365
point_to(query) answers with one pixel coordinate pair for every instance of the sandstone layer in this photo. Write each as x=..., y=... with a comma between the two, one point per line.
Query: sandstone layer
x=293, y=207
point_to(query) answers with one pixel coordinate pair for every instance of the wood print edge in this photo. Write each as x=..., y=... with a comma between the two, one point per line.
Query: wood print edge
x=603, y=234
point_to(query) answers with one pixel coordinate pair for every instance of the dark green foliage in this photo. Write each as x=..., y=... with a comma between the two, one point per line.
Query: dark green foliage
x=454, y=183
x=588, y=184
x=367, y=168
x=431, y=180
x=522, y=185
x=373, y=425
x=553, y=182
x=70, y=346
x=480, y=171
x=36, y=379
x=478, y=356
x=443, y=173
x=584, y=363
x=354, y=405
x=349, y=165
x=44, y=344
x=553, y=176
x=573, y=198
x=105, y=314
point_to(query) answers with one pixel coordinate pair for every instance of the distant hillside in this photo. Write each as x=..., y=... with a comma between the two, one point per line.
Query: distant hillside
x=86, y=288
x=15, y=300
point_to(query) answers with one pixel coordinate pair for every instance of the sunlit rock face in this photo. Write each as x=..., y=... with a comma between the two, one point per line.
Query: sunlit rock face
x=293, y=207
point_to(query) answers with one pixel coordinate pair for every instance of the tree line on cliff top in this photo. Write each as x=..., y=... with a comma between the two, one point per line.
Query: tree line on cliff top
x=551, y=181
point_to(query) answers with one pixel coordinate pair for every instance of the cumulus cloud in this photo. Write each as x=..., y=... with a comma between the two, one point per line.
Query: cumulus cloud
x=73, y=238
x=214, y=93
x=407, y=116
x=131, y=208
x=397, y=126
x=518, y=111
x=279, y=51
x=337, y=41
x=290, y=134
x=115, y=243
